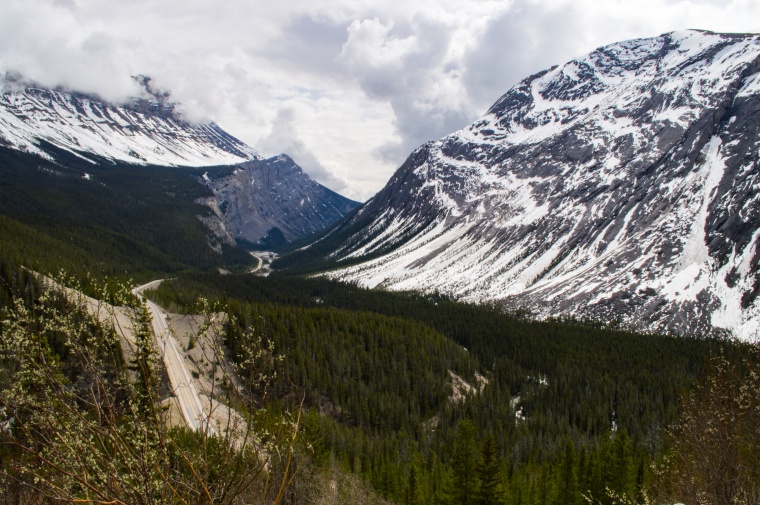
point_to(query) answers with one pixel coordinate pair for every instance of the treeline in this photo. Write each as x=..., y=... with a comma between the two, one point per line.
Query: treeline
x=594, y=376
x=558, y=392
x=16, y=283
x=123, y=221
x=587, y=417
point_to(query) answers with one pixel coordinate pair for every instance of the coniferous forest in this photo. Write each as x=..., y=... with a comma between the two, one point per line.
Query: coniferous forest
x=356, y=396
x=563, y=412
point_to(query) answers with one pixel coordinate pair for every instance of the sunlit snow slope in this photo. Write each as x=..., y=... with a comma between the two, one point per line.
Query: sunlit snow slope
x=84, y=125
x=256, y=199
x=622, y=186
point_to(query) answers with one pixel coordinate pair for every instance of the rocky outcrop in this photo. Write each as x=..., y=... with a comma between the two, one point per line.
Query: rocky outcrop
x=264, y=195
x=269, y=201
x=623, y=186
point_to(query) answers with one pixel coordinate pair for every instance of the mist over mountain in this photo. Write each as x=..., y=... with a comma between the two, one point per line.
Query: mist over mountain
x=148, y=130
x=497, y=325
x=144, y=131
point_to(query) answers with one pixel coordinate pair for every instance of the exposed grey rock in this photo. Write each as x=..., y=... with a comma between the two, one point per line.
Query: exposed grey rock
x=272, y=193
x=258, y=199
x=621, y=186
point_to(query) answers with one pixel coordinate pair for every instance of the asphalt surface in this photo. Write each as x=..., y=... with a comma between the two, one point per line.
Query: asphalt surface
x=182, y=384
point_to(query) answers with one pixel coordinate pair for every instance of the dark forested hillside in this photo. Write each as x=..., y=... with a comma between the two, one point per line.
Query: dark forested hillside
x=374, y=366
x=425, y=399
x=106, y=219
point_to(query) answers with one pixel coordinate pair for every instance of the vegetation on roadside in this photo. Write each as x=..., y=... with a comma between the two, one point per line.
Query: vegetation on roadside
x=400, y=397
x=571, y=412
x=82, y=424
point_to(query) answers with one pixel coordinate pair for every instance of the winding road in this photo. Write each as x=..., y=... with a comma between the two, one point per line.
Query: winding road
x=261, y=256
x=182, y=384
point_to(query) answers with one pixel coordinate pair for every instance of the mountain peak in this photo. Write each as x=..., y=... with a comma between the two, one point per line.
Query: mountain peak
x=144, y=131
x=620, y=186
x=276, y=193
x=153, y=101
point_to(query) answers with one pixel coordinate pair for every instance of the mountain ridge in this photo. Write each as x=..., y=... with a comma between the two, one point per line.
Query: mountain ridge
x=147, y=130
x=263, y=195
x=620, y=186
x=134, y=133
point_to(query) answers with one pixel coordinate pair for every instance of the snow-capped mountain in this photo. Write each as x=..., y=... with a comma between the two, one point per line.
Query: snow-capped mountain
x=260, y=196
x=622, y=186
x=274, y=195
x=145, y=131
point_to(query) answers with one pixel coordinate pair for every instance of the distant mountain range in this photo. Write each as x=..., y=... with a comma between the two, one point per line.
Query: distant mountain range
x=264, y=201
x=622, y=186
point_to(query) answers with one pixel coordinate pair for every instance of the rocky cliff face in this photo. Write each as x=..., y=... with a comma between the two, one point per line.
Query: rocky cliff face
x=622, y=186
x=263, y=195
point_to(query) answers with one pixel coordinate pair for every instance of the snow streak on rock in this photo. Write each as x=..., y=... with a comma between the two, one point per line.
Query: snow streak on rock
x=84, y=125
x=622, y=186
x=258, y=198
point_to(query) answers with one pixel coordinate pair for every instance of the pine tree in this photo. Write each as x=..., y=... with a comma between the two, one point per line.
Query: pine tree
x=412, y=489
x=584, y=472
x=619, y=468
x=640, y=479
x=441, y=481
x=489, y=472
x=464, y=464
x=567, y=493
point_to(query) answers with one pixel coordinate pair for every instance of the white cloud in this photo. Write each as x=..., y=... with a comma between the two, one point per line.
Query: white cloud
x=284, y=137
x=358, y=83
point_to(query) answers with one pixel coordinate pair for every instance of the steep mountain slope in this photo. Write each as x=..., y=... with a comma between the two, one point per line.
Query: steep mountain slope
x=105, y=219
x=622, y=186
x=144, y=132
x=259, y=197
x=273, y=198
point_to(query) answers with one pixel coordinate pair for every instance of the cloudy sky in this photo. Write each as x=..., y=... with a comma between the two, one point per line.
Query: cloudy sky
x=346, y=87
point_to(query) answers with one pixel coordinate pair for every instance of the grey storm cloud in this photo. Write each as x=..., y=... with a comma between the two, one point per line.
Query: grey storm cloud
x=403, y=65
x=283, y=137
x=310, y=44
x=517, y=44
x=346, y=88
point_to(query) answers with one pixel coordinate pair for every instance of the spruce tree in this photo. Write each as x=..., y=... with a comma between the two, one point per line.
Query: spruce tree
x=412, y=489
x=489, y=472
x=619, y=468
x=584, y=472
x=464, y=464
x=567, y=492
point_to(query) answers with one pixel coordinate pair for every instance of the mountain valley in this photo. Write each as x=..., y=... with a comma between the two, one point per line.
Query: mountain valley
x=63, y=126
x=620, y=187
x=557, y=304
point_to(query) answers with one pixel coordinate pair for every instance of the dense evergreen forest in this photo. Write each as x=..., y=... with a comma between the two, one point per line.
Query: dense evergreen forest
x=569, y=410
x=404, y=397
x=122, y=220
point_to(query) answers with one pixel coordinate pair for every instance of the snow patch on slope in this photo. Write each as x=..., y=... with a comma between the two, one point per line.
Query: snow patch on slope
x=589, y=190
x=83, y=126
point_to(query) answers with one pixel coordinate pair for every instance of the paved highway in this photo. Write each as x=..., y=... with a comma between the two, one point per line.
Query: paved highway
x=257, y=267
x=181, y=381
x=261, y=256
